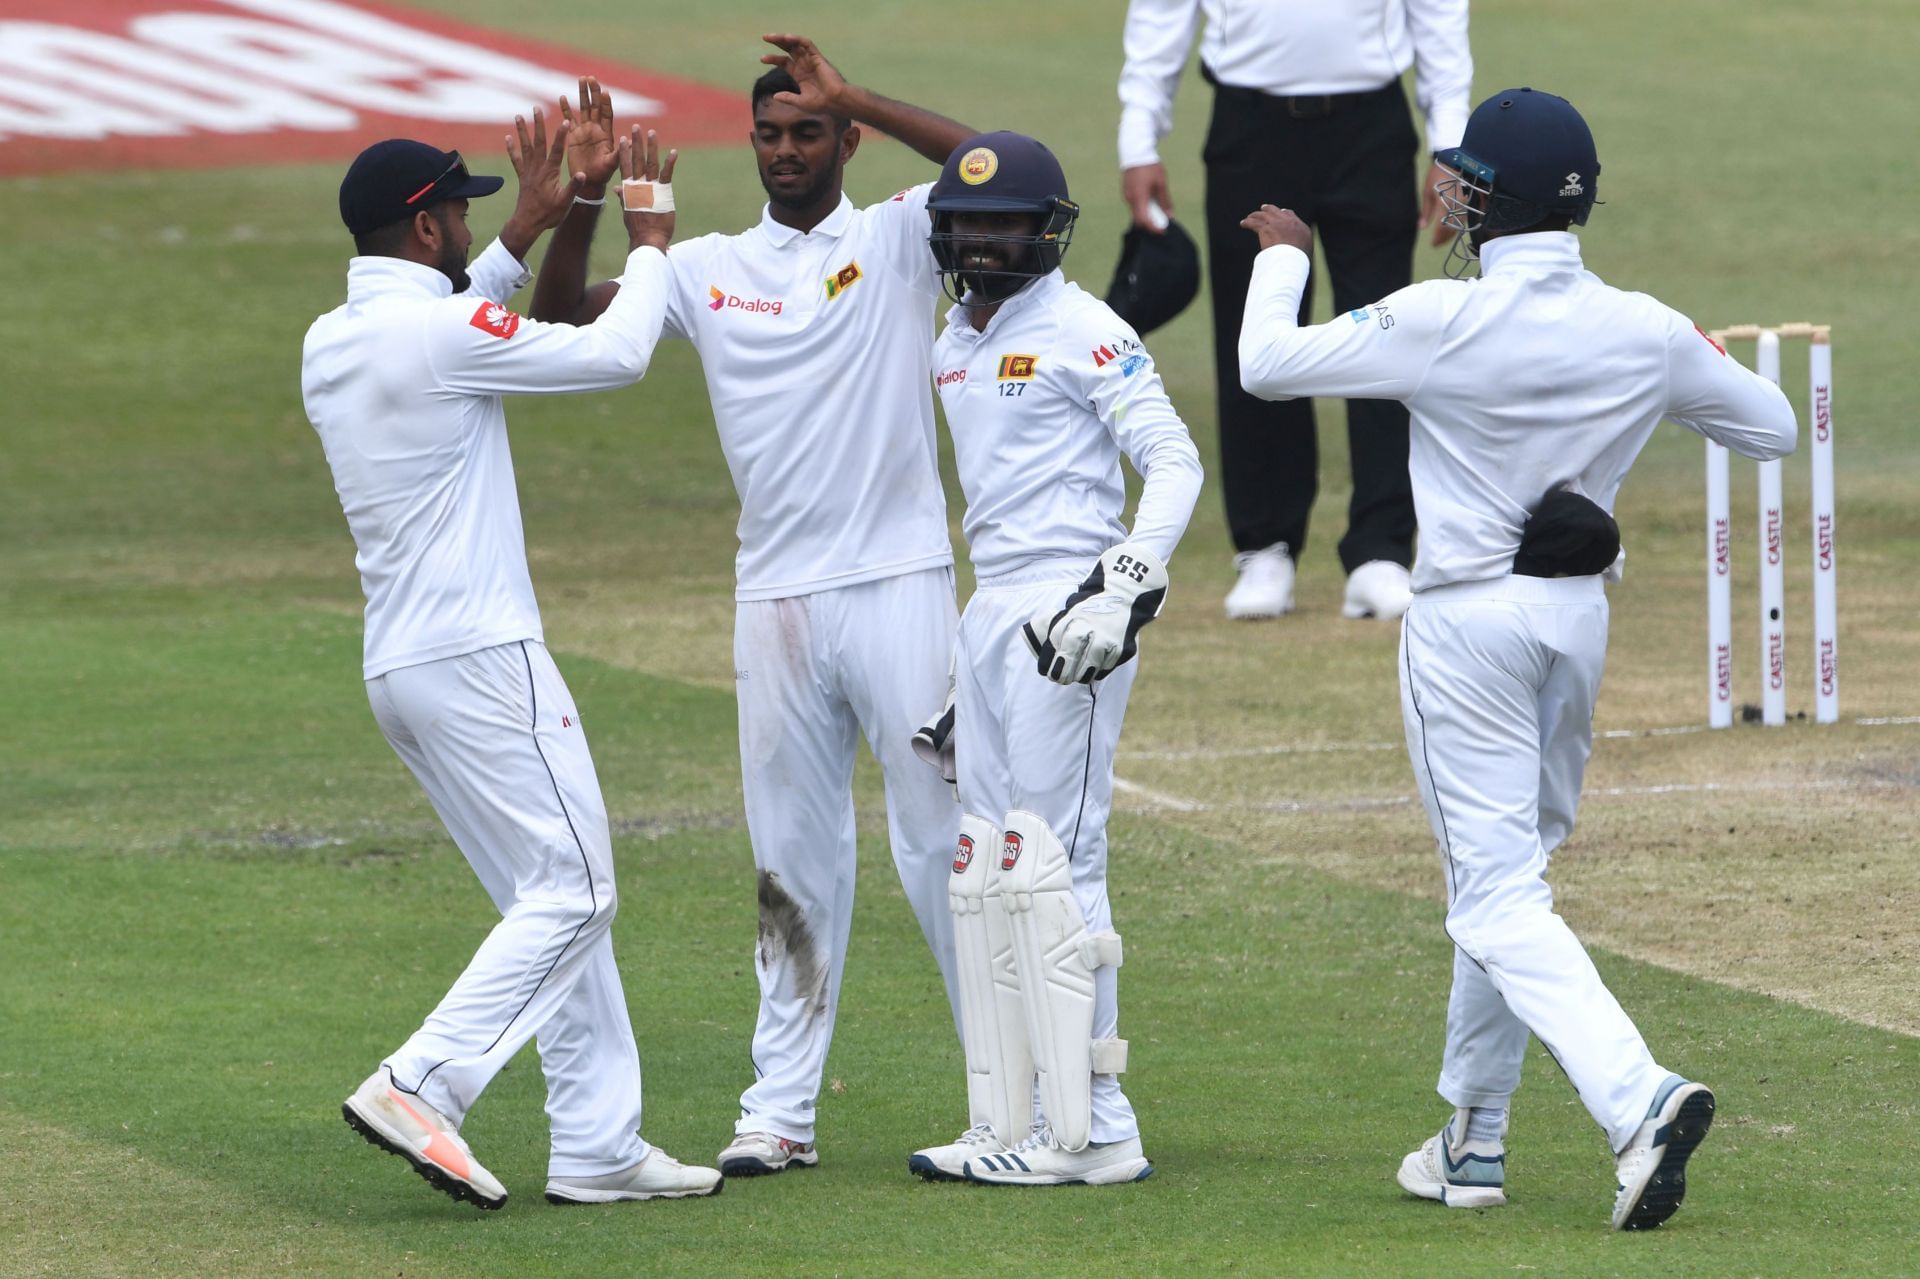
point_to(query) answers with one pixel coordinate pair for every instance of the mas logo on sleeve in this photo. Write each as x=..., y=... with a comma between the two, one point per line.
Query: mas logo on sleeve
x=495, y=320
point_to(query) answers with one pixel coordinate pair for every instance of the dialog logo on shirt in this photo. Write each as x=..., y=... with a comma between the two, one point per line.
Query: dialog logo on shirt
x=1018, y=367
x=495, y=319
x=838, y=282
x=734, y=302
x=950, y=377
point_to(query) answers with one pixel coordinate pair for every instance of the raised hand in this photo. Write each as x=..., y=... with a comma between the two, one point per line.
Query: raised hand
x=640, y=161
x=593, y=148
x=546, y=187
x=1279, y=226
x=821, y=86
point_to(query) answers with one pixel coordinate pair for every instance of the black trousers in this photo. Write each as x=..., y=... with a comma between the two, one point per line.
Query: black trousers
x=1344, y=163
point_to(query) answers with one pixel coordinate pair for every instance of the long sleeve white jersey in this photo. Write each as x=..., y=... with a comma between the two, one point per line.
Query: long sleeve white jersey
x=815, y=347
x=404, y=384
x=1041, y=404
x=1535, y=374
x=1292, y=47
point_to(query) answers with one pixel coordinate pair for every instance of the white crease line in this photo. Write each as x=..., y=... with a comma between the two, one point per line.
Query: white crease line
x=1334, y=748
x=1157, y=799
x=1367, y=803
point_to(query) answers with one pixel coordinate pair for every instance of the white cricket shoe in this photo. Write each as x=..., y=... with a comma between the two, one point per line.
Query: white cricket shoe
x=1037, y=1161
x=1652, y=1170
x=949, y=1162
x=1378, y=588
x=1265, y=588
x=658, y=1176
x=407, y=1126
x=1456, y=1171
x=755, y=1154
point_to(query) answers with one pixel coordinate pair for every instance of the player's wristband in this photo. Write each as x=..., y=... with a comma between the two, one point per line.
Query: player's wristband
x=640, y=196
x=581, y=199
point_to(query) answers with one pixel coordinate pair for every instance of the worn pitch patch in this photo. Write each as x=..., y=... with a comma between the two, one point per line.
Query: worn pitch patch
x=100, y=84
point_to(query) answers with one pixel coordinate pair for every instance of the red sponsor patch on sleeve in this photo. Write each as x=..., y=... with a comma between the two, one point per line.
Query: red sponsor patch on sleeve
x=494, y=319
x=1709, y=337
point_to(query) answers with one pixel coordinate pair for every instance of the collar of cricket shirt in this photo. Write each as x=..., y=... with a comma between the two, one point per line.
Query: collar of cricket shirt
x=1039, y=293
x=1533, y=251
x=395, y=275
x=833, y=226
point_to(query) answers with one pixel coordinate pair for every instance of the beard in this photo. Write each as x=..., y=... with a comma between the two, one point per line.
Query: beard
x=812, y=194
x=453, y=265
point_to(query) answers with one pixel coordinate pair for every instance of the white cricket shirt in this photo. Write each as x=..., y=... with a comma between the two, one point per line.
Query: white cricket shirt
x=815, y=349
x=1041, y=404
x=1535, y=374
x=1291, y=47
x=404, y=384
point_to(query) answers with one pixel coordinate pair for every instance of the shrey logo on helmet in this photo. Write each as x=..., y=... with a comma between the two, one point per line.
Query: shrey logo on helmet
x=1010, y=851
x=977, y=165
x=963, y=856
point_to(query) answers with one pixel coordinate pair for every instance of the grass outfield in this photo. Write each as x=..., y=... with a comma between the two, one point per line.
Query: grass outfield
x=222, y=898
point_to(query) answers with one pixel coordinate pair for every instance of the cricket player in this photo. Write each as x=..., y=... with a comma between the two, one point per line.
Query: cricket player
x=814, y=329
x=1045, y=388
x=1532, y=389
x=404, y=383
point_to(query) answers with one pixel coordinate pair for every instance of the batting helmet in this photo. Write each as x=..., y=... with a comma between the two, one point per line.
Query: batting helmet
x=1526, y=156
x=1001, y=173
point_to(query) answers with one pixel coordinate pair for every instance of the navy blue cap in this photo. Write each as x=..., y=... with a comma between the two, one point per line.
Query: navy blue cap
x=397, y=178
x=1531, y=146
x=1000, y=173
x=1157, y=277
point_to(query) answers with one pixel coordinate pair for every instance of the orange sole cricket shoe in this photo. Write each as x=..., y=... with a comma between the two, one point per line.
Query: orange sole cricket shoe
x=405, y=1125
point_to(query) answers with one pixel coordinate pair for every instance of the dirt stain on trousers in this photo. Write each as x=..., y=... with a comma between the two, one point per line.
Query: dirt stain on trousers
x=785, y=932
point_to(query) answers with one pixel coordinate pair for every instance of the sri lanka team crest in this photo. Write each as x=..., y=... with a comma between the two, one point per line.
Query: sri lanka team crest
x=977, y=165
x=1017, y=367
x=841, y=280
x=1010, y=851
x=963, y=856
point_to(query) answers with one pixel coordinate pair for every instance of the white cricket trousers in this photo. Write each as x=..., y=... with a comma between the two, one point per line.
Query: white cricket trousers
x=812, y=673
x=496, y=741
x=1497, y=684
x=1023, y=741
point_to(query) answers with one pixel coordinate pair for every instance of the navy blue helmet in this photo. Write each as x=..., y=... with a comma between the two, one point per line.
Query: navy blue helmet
x=1526, y=156
x=1000, y=173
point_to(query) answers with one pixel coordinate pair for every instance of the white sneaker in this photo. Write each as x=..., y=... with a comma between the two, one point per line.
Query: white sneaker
x=949, y=1162
x=1265, y=588
x=407, y=1126
x=1652, y=1171
x=658, y=1176
x=1456, y=1171
x=1378, y=588
x=1038, y=1162
x=754, y=1154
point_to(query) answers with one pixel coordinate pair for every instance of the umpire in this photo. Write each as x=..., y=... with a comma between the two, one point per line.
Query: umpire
x=1308, y=114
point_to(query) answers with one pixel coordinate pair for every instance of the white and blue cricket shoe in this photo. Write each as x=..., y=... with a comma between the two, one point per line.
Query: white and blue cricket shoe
x=1652, y=1171
x=1457, y=1172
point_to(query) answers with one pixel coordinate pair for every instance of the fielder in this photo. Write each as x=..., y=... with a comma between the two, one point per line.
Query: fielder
x=814, y=329
x=1044, y=389
x=1532, y=389
x=404, y=383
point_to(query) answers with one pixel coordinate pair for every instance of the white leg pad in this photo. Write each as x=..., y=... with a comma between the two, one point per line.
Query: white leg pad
x=999, y=1064
x=1055, y=959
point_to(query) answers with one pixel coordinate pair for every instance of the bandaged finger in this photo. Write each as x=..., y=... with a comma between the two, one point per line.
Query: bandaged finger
x=637, y=195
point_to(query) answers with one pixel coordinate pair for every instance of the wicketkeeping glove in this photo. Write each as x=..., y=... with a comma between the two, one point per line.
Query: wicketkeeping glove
x=1097, y=631
x=933, y=742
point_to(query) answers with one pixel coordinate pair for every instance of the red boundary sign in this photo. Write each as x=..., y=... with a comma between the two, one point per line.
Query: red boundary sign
x=101, y=84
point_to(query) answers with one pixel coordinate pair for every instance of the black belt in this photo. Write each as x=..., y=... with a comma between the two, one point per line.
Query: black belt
x=1301, y=106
